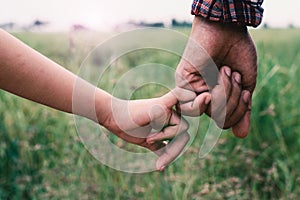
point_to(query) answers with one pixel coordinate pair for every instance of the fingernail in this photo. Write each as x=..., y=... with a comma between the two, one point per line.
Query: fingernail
x=162, y=168
x=250, y=104
x=246, y=96
x=150, y=141
x=237, y=78
x=207, y=100
x=227, y=71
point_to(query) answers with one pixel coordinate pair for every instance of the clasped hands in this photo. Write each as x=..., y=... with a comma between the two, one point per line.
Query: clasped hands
x=231, y=48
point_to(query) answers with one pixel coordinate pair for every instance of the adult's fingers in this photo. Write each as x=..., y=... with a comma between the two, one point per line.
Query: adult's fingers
x=189, y=78
x=235, y=107
x=172, y=150
x=241, y=129
x=236, y=89
x=240, y=110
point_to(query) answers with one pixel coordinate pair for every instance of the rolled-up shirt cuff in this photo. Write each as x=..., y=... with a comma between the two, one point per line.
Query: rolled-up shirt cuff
x=244, y=12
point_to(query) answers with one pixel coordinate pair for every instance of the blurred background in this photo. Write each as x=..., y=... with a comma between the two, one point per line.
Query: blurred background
x=103, y=15
x=42, y=156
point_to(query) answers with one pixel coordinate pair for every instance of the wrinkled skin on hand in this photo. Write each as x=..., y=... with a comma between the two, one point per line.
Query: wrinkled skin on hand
x=228, y=45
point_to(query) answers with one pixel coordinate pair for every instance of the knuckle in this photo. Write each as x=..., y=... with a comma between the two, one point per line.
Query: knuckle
x=231, y=105
x=227, y=125
x=184, y=125
x=187, y=136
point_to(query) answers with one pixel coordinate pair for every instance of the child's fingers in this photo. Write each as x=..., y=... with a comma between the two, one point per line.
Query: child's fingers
x=196, y=107
x=178, y=94
x=176, y=129
x=156, y=147
x=183, y=95
x=172, y=150
x=159, y=116
x=217, y=109
x=221, y=93
x=175, y=125
x=168, y=133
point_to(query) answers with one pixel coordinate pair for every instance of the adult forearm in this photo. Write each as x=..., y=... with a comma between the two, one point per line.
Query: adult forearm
x=27, y=73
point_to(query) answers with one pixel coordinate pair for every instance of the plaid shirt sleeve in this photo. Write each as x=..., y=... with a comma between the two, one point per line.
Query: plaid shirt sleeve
x=247, y=12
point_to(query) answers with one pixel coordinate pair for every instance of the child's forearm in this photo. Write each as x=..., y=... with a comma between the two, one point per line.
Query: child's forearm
x=28, y=74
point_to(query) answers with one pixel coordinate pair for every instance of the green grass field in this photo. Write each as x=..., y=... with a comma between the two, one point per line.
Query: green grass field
x=43, y=158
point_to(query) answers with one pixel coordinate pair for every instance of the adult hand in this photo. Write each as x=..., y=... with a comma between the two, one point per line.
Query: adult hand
x=229, y=45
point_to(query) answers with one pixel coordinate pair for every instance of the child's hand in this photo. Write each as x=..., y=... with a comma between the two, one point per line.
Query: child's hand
x=149, y=122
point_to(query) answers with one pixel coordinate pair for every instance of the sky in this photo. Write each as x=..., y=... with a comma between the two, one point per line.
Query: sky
x=104, y=14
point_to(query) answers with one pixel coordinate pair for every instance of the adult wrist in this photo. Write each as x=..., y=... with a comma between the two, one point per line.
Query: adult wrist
x=219, y=25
